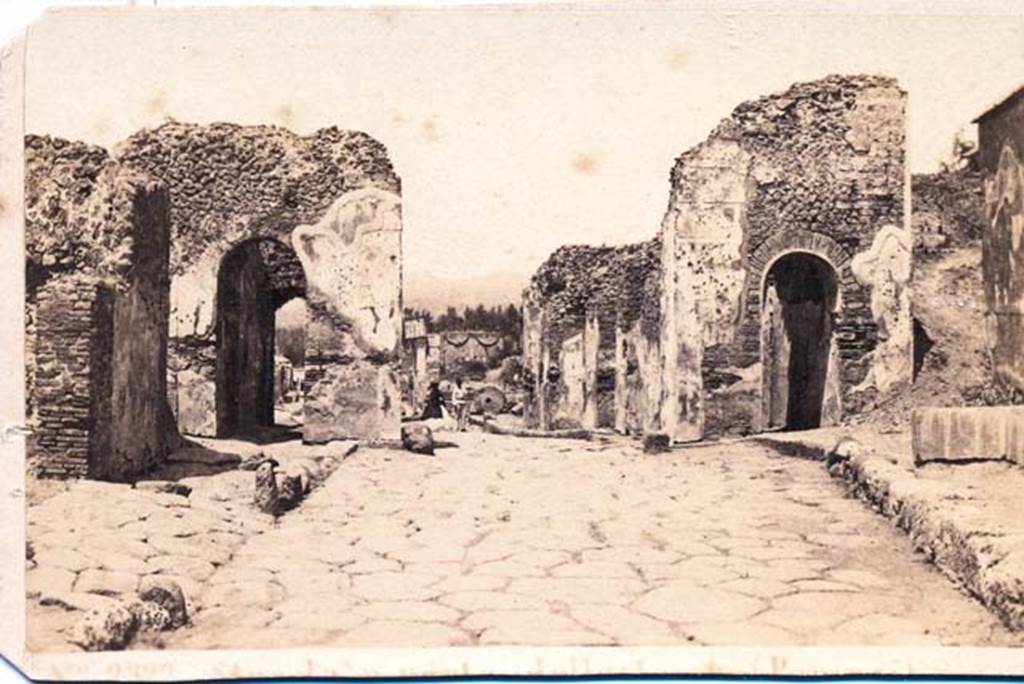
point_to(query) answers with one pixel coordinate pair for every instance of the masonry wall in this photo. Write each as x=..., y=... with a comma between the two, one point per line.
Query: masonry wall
x=1001, y=158
x=331, y=197
x=819, y=169
x=96, y=300
x=594, y=294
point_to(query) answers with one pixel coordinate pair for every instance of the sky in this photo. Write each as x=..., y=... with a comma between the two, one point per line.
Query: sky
x=514, y=132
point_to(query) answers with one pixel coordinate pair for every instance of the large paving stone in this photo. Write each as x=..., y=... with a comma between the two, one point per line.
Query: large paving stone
x=491, y=600
x=189, y=566
x=626, y=627
x=577, y=590
x=107, y=582
x=394, y=586
x=257, y=594
x=686, y=602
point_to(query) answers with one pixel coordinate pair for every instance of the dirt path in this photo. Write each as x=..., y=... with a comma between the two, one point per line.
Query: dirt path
x=526, y=541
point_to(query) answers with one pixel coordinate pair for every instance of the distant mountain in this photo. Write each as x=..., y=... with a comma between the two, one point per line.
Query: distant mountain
x=423, y=291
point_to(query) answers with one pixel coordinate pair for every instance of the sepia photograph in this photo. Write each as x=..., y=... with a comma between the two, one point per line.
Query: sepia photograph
x=590, y=338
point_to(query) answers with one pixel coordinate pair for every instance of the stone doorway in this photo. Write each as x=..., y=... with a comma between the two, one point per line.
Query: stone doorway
x=796, y=334
x=255, y=279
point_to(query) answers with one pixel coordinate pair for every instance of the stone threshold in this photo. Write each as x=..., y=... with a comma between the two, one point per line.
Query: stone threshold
x=965, y=518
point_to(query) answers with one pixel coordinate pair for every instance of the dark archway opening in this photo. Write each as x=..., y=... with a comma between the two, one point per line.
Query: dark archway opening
x=800, y=296
x=255, y=279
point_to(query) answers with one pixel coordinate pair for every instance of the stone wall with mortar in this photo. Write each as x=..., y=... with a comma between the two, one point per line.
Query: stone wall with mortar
x=96, y=242
x=596, y=293
x=332, y=198
x=818, y=169
x=1001, y=159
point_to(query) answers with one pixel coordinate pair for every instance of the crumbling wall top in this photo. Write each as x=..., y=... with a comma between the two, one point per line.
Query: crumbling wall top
x=232, y=181
x=79, y=209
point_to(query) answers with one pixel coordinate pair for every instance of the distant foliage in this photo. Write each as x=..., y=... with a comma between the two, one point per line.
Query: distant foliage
x=506, y=321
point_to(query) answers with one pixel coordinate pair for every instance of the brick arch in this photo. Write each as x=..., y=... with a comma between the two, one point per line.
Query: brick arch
x=818, y=244
x=761, y=259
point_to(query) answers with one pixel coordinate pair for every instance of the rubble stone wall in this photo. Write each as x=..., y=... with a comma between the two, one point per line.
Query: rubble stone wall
x=1001, y=157
x=97, y=239
x=582, y=289
x=818, y=169
x=332, y=198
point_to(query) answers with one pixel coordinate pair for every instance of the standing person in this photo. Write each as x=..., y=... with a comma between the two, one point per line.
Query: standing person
x=434, y=401
x=459, y=402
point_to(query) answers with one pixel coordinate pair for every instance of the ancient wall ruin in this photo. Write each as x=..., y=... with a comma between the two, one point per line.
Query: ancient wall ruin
x=786, y=236
x=96, y=243
x=1001, y=159
x=818, y=170
x=327, y=205
x=584, y=312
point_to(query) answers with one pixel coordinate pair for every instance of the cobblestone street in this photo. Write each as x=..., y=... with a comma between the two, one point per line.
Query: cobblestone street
x=525, y=541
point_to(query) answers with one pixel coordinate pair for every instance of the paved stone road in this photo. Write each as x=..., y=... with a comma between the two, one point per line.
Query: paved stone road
x=522, y=541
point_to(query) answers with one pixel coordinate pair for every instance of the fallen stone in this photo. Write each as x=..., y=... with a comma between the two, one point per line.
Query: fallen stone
x=163, y=487
x=165, y=593
x=266, y=494
x=151, y=616
x=109, y=629
x=418, y=439
x=845, y=448
x=308, y=472
x=290, y=491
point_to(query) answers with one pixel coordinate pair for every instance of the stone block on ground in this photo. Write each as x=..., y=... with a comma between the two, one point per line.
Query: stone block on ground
x=418, y=439
x=107, y=629
x=357, y=400
x=966, y=434
x=151, y=615
x=167, y=594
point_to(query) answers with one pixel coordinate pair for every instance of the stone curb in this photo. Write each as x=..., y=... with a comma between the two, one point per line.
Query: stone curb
x=985, y=559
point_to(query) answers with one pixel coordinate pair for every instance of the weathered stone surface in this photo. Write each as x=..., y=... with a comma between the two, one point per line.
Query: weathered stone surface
x=685, y=602
x=107, y=582
x=105, y=629
x=167, y=594
x=768, y=254
x=968, y=434
x=96, y=298
x=151, y=616
x=418, y=439
x=353, y=400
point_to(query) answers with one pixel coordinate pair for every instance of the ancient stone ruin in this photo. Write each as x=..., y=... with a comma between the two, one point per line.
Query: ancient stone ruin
x=1001, y=159
x=775, y=296
x=155, y=274
x=96, y=245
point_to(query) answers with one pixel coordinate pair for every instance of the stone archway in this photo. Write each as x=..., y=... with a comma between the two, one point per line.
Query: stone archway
x=254, y=280
x=799, y=298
